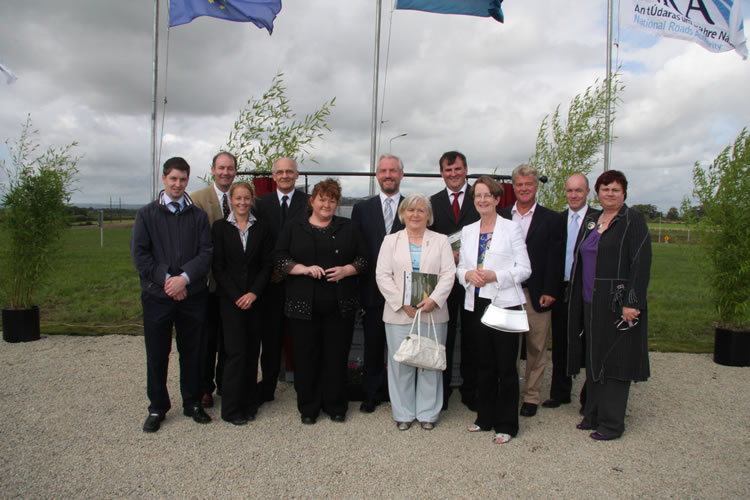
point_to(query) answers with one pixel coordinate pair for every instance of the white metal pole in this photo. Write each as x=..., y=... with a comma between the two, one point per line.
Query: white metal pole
x=375, y=77
x=607, y=111
x=154, y=167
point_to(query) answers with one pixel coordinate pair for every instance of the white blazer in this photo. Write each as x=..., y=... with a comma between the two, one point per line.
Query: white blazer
x=506, y=255
x=394, y=259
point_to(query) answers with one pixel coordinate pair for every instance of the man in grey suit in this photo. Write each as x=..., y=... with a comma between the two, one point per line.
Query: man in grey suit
x=376, y=218
x=214, y=200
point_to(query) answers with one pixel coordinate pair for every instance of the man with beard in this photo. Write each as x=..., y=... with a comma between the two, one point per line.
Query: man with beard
x=377, y=217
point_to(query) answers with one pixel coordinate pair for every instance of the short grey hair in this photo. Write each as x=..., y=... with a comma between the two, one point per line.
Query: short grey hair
x=294, y=162
x=391, y=157
x=525, y=170
x=411, y=201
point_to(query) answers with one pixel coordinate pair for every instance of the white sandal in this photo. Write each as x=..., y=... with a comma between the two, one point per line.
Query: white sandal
x=474, y=428
x=501, y=438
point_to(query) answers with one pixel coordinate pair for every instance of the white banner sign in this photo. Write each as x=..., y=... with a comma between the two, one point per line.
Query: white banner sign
x=714, y=24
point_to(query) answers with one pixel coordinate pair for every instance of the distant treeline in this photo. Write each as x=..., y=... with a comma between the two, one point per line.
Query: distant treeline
x=80, y=216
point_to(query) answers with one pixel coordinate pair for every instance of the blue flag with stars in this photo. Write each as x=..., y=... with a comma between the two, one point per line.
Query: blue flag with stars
x=481, y=8
x=259, y=12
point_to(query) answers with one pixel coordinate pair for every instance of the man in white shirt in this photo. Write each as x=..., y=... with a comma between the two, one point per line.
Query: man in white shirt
x=544, y=245
x=577, y=192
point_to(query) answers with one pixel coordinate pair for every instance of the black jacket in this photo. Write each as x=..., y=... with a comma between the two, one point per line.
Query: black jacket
x=623, y=267
x=239, y=271
x=546, y=254
x=367, y=215
x=166, y=243
x=296, y=245
x=442, y=211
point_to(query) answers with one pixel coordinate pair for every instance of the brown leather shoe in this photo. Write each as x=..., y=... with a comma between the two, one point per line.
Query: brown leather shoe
x=207, y=401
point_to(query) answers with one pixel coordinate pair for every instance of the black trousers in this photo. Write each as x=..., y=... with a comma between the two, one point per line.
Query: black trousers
x=241, y=348
x=561, y=383
x=321, y=351
x=606, y=399
x=467, y=365
x=497, y=376
x=187, y=317
x=212, y=345
x=271, y=338
x=374, y=380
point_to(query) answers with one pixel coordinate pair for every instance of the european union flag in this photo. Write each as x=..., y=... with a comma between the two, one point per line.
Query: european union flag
x=259, y=12
x=481, y=8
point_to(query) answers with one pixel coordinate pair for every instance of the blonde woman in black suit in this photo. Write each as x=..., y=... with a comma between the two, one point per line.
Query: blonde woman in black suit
x=242, y=266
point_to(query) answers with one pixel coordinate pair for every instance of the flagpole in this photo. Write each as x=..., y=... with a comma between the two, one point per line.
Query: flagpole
x=154, y=173
x=374, y=124
x=607, y=111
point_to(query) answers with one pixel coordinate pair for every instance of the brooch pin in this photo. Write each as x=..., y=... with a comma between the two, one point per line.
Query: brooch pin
x=590, y=225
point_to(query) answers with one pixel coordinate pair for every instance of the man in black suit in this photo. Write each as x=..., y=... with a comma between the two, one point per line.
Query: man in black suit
x=453, y=208
x=544, y=245
x=276, y=209
x=377, y=217
x=576, y=191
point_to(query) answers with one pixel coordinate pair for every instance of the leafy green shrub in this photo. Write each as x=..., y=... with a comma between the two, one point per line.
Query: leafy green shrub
x=34, y=199
x=724, y=190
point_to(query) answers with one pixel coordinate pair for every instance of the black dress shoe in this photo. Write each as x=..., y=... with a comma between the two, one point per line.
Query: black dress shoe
x=368, y=405
x=198, y=414
x=338, y=417
x=308, y=420
x=555, y=403
x=528, y=409
x=237, y=421
x=153, y=422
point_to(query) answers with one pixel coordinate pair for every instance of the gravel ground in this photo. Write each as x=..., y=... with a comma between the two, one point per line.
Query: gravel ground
x=72, y=410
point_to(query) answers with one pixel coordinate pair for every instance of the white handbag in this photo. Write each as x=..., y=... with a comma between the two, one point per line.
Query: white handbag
x=421, y=351
x=506, y=320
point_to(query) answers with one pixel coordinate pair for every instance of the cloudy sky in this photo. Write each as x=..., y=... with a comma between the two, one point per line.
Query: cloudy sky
x=454, y=82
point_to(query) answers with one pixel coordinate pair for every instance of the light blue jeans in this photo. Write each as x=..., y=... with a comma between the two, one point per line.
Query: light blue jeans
x=415, y=393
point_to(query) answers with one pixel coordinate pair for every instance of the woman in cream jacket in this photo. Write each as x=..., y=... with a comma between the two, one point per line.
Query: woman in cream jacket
x=415, y=393
x=492, y=264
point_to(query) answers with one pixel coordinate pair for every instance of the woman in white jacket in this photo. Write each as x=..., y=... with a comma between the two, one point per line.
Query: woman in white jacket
x=415, y=393
x=492, y=264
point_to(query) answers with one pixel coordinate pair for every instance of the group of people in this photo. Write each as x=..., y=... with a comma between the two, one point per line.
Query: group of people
x=233, y=276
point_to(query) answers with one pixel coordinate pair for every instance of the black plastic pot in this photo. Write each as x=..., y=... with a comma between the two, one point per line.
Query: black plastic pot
x=21, y=325
x=732, y=347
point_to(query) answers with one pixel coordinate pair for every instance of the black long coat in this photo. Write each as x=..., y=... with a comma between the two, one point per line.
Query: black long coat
x=623, y=266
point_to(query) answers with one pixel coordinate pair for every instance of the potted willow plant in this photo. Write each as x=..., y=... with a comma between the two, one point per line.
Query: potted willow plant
x=724, y=190
x=33, y=218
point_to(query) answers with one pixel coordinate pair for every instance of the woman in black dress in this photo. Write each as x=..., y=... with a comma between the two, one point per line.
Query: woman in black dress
x=319, y=255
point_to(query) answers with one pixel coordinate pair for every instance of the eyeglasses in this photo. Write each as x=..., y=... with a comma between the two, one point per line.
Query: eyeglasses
x=623, y=325
x=483, y=196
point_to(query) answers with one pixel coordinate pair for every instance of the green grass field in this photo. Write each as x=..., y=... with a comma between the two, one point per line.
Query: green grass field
x=95, y=290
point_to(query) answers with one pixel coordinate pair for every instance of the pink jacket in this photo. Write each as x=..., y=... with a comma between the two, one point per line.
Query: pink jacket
x=394, y=259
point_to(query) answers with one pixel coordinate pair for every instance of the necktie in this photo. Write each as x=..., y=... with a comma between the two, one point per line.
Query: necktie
x=175, y=206
x=571, y=244
x=456, y=208
x=284, y=209
x=225, y=206
x=388, y=215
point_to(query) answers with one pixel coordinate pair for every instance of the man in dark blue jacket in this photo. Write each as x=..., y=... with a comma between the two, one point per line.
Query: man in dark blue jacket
x=171, y=249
